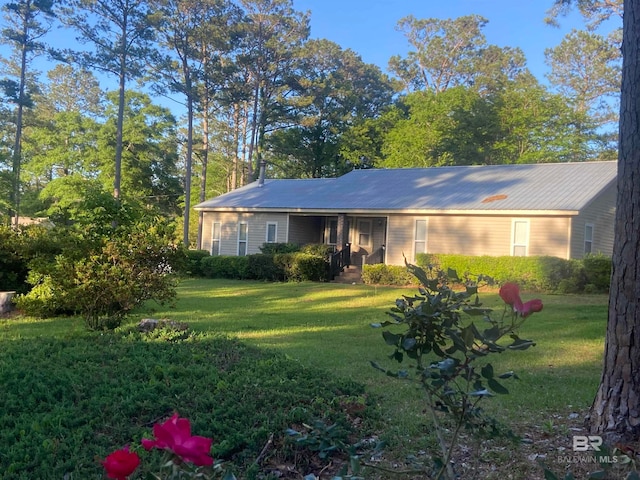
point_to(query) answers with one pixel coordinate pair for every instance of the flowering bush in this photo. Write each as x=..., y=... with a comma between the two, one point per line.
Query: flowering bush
x=444, y=348
x=185, y=453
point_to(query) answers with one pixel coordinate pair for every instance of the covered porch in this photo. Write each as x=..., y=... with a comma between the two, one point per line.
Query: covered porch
x=363, y=236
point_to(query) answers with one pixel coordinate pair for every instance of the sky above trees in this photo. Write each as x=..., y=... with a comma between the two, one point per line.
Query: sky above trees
x=368, y=26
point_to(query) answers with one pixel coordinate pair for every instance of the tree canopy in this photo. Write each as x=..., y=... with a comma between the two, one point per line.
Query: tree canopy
x=259, y=95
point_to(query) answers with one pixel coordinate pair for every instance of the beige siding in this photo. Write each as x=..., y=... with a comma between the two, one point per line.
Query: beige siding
x=256, y=230
x=549, y=236
x=475, y=235
x=601, y=214
x=469, y=235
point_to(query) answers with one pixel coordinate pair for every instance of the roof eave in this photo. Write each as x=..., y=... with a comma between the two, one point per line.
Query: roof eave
x=411, y=211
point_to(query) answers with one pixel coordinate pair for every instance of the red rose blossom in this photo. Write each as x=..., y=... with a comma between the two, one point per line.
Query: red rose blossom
x=175, y=435
x=121, y=463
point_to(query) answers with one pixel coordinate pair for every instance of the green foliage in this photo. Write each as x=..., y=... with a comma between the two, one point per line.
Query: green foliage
x=381, y=274
x=318, y=249
x=321, y=438
x=520, y=123
x=26, y=248
x=13, y=267
x=278, y=267
x=264, y=267
x=540, y=273
x=104, y=278
x=444, y=350
x=273, y=248
x=597, y=271
x=67, y=401
x=300, y=267
x=231, y=267
x=194, y=262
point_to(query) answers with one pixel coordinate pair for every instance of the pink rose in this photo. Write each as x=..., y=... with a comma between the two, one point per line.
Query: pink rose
x=510, y=294
x=175, y=435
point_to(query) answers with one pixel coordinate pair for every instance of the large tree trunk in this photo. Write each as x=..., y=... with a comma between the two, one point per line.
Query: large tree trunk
x=615, y=412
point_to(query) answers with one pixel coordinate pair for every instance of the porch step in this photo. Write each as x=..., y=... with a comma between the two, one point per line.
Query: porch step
x=349, y=275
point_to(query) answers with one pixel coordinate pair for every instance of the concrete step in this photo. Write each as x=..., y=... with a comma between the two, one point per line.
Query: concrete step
x=349, y=275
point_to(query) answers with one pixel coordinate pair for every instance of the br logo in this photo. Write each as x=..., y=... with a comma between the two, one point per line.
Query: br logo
x=582, y=443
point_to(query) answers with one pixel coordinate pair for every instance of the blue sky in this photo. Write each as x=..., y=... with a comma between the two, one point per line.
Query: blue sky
x=368, y=26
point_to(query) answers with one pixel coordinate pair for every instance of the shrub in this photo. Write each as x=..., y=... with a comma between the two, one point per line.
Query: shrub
x=448, y=355
x=380, y=274
x=117, y=274
x=13, y=266
x=273, y=248
x=317, y=249
x=231, y=267
x=193, y=262
x=304, y=267
x=597, y=271
x=262, y=267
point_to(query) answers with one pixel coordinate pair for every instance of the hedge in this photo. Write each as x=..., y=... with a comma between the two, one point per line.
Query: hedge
x=540, y=273
x=269, y=267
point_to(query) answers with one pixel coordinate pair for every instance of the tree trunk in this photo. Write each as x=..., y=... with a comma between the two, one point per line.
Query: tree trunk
x=244, y=177
x=188, y=160
x=236, y=136
x=205, y=164
x=615, y=412
x=117, y=177
x=17, y=148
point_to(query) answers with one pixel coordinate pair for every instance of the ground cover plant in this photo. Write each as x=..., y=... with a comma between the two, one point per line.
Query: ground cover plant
x=69, y=398
x=313, y=326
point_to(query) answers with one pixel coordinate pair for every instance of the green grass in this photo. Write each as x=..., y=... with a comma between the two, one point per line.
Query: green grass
x=327, y=326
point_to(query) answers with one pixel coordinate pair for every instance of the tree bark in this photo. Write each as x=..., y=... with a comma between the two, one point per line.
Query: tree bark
x=615, y=413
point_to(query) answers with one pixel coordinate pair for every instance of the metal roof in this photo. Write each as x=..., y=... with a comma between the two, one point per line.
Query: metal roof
x=562, y=187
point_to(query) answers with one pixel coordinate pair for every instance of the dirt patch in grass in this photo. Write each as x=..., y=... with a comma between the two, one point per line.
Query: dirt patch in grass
x=547, y=445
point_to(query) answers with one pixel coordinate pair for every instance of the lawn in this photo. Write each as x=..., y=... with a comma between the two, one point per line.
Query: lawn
x=317, y=328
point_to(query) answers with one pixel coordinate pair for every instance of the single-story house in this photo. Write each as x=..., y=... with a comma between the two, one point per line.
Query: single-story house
x=382, y=215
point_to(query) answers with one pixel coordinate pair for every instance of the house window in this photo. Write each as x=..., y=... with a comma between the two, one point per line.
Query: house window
x=588, y=238
x=364, y=232
x=215, y=238
x=420, y=238
x=242, y=239
x=520, y=238
x=272, y=232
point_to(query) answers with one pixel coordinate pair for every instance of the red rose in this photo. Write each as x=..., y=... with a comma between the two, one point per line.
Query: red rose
x=121, y=463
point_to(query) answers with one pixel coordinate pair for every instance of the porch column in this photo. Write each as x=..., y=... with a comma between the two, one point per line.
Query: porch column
x=341, y=234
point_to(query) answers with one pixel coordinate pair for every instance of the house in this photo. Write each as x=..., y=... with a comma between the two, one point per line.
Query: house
x=560, y=209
